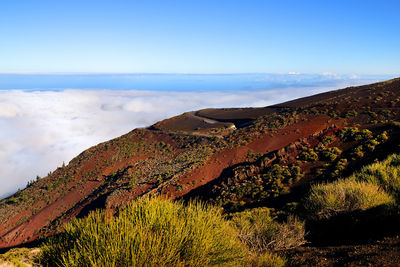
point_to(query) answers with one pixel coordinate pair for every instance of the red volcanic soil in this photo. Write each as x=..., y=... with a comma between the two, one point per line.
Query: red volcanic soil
x=27, y=230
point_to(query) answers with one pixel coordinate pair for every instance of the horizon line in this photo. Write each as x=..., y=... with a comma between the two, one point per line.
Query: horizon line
x=192, y=73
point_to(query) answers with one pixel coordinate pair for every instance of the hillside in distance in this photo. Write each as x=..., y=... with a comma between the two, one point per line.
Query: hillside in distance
x=237, y=158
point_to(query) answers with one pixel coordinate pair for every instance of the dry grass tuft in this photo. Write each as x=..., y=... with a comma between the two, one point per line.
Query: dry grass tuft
x=344, y=195
x=261, y=232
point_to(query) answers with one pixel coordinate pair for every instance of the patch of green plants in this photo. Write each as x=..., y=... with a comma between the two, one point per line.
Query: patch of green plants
x=333, y=113
x=330, y=154
x=308, y=155
x=363, y=143
x=148, y=232
x=261, y=232
x=327, y=140
x=349, y=113
x=344, y=195
x=385, y=174
x=349, y=134
x=368, y=144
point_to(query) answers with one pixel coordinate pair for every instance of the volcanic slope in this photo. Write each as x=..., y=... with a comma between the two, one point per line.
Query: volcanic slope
x=237, y=158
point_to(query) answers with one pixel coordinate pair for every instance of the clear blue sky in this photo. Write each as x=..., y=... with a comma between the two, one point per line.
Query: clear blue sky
x=204, y=36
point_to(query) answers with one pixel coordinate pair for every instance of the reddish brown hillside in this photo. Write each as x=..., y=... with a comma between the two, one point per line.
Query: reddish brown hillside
x=211, y=154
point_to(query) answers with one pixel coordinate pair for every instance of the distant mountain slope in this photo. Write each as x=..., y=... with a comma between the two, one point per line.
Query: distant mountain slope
x=234, y=157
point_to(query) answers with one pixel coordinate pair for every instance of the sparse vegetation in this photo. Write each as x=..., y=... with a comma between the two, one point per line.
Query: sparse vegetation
x=270, y=183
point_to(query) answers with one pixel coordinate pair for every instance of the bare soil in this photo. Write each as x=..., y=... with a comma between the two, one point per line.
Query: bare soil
x=384, y=252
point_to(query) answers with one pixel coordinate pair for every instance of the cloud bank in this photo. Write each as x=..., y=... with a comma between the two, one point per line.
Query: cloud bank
x=42, y=129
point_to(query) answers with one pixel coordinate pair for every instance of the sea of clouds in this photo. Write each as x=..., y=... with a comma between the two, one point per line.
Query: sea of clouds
x=39, y=130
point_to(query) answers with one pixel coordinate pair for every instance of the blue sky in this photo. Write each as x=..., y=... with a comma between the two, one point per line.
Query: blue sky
x=352, y=36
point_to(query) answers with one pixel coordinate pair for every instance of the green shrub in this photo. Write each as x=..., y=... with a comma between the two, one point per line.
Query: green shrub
x=385, y=174
x=347, y=134
x=338, y=168
x=358, y=152
x=333, y=113
x=372, y=114
x=308, y=155
x=349, y=113
x=344, y=195
x=330, y=154
x=370, y=145
x=260, y=232
x=383, y=137
x=148, y=232
x=328, y=140
x=363, y=135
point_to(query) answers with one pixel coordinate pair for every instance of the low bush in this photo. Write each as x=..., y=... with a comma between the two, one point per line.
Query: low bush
x=327, y=140
x=148, y=232
x=330, y=154
x=308, y=155
x=385, y=174
x=348, y=134
x=261, y=232
x=344, y=195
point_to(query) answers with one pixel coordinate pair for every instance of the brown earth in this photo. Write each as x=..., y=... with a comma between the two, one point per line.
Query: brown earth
x=382, y=253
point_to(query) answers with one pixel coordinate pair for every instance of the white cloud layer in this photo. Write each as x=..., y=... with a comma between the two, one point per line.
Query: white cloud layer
x=41, y=129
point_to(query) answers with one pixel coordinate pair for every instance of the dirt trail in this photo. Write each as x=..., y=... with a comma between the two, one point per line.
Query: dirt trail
x=206, y=120
x=194, y=115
